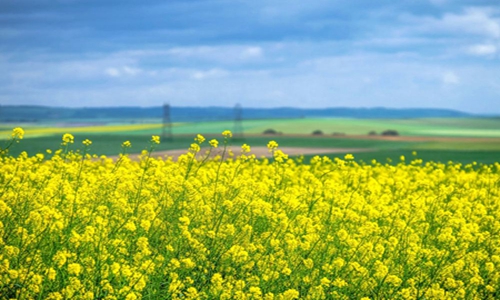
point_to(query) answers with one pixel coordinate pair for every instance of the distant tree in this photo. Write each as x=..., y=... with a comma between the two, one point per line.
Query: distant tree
x=270, y=131
x=317, y=132
x=390, y=132
x=373, y=132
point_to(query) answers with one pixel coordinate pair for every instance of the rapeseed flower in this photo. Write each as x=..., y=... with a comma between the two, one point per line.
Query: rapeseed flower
x=279, y=156
x=246, y=228
x=245, y=148
x=272, y=145
x=291, y=294
x=68, y=139
x=195, y=148
x=74, y=269
x=155, y=139
x=214, y=143
x=349, y=156
x=199, y=138
x=227, y=134
x=18, y=133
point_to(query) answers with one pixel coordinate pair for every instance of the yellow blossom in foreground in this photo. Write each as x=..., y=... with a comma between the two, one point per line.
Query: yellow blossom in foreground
x=349, y=156
x=51, y=274
x=18, y=133
x=155, y=139
x=68, y=138
x=87, y=142
x=279, y=156
x=195, y=147
x=214, y=143
x=227, y=134
x=339, y=282
x=291, y=294
x=126, y=144
x=74, y=269
x=245, y=148
x=272, y=145
x=199, y=138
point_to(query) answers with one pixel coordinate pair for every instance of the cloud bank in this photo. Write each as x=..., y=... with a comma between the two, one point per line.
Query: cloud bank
x=441, y=54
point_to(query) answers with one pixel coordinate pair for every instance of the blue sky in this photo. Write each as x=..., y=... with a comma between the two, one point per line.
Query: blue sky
x=319, y=53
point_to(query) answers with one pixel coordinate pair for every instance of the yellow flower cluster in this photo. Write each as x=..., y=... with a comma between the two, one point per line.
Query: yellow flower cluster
x=272, y=145
x=199, y=138
x=155, y=139
x=18, y=133
x=227, y=133
x=214, y=143
x=68, y=139
x=80, y=228
x=245, y=148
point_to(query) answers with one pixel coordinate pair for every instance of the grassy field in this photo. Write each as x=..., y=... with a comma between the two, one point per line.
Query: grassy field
x=439, y=127
x=441, y=139
x=410, y=127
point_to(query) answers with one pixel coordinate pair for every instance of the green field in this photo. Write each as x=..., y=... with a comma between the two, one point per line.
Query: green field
x=409, y=127
x=439, y=127
x=441, y=139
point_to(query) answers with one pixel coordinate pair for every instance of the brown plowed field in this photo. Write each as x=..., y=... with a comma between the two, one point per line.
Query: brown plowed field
x=258, y=151
x=295, y=151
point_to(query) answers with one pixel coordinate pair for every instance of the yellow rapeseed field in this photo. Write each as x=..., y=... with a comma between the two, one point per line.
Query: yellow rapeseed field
x=76, y=226
x=41, y=131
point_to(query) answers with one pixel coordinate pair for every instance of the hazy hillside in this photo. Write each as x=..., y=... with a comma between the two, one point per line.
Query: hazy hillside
x=185, y=114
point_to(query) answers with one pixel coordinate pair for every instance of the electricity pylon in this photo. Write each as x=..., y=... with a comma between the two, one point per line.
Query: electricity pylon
x=167, y=123
x=238, y=120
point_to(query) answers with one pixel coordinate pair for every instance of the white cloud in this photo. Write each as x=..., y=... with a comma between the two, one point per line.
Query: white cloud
x=224, y=54
x=483, y=49
x=450, y=78
x=310, y=75
x=112, y=72
x=252, y=52
x=122, y=71
x=473, y=20
x=212, y=73
x=131, y=71
x=321, y=82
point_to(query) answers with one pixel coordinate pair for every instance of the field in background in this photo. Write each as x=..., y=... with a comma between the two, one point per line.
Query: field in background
x=441, y=139
x=439, y=127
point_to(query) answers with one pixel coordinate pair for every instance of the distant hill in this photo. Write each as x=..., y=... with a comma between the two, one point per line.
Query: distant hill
x=190, y=114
